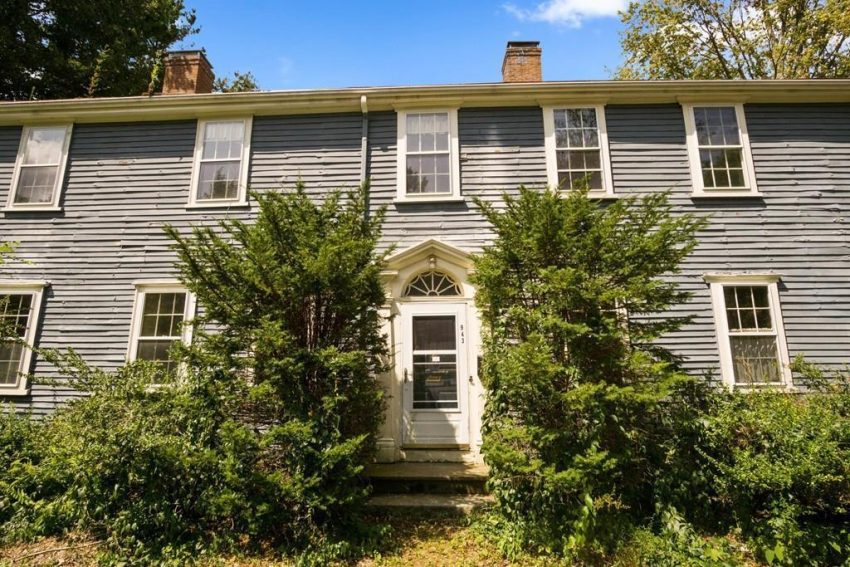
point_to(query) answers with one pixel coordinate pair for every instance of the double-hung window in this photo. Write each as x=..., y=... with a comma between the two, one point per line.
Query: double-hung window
x=577, y=148
x=40, y=168
x=719, y=150
x=159, y=318
x=753, y=351
x=428, y=163
x=220, y=175
x=20, y=303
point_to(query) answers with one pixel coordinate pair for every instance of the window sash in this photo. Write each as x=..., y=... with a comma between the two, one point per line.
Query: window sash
x=704, y=177
x=146, y=292
x=230, y=197
x=556, y=121
x=446, y=181
x=750, y=351
x=56, y=168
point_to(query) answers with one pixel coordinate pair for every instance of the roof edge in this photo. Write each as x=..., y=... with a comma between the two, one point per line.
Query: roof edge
x=171, y=107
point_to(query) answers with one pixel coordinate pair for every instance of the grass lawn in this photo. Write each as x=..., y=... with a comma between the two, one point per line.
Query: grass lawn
x=424, y=538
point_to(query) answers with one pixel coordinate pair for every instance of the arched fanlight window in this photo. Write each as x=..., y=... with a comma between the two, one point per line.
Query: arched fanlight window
x=432, y=284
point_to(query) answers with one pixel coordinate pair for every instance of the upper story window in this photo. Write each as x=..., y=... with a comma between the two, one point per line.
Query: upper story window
x=428, y=164
x=222, y=150
x=752, y=345
x=20, y=303
x=158, y=322
x=577, y=148
x=719, y=150
x=40, y=168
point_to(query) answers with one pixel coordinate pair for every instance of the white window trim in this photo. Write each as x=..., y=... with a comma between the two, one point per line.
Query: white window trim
x=36, y=289
x=727, y=371
x=401, y=159
x=158, y=286
x=551, y=147
x=244, y=166
x=60, y=173
x=700, y=190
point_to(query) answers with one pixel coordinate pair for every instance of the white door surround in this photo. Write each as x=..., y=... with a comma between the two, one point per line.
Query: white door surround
x=434, y=396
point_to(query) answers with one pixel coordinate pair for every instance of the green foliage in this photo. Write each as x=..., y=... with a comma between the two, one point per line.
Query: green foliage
x=241, y=82
x=678, y=544
x=295, y=296
x=572, y=295
x=67, y=49
x=780, y=472
x=259, y=439
x=736, y=39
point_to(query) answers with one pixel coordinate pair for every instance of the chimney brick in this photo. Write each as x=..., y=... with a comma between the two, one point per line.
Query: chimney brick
x=522, y=62
x=187, y=72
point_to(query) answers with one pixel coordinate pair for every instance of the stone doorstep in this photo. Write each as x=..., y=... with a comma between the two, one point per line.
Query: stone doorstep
x=446, y=472
x=461, y=503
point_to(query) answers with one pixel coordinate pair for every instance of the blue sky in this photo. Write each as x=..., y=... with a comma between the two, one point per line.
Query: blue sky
x=312, y=44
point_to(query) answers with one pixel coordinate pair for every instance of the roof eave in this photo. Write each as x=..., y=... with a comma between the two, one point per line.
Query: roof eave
x=144, y=108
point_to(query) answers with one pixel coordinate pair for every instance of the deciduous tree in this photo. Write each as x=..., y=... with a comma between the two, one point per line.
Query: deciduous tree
x=736, y=39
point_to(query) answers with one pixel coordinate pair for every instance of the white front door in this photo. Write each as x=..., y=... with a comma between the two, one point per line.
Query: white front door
x=435, y=374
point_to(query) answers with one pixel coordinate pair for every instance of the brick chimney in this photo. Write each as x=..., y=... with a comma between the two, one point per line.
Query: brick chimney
x=187, y=72
x=522, y=62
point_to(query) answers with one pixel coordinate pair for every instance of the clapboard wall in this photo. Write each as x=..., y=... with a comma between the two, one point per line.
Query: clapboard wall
x=124, y=181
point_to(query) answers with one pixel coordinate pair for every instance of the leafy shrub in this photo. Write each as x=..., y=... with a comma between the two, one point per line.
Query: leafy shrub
x=259, y=439
x=780, y=466
x=678, y=544
x=572, y=296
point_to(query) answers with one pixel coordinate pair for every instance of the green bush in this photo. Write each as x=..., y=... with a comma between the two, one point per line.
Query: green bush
x=258, y=440
x=780, y=470
x=572, y=296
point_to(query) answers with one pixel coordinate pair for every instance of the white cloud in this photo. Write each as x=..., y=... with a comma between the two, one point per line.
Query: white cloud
x=568, y=12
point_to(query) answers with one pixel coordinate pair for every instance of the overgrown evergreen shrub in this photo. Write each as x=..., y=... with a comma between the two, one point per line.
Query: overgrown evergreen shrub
x=260, y=437
x=572, y=296
x=294, y=298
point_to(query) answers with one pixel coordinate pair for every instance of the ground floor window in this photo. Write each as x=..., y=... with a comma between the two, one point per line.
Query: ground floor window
x=158, y=322
x=751, y=335
x=19, y=309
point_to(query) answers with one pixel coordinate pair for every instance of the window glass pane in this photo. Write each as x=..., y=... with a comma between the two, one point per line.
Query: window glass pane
x=441, y=164
x=44, y=146
x=15, y=312
x=748, y=308
x=434, y=381
x=162, y=314
x=223, y=140
x=219, y=180
x=36, y=184
x=434, y=333
x=755, y=359
x=11, y=356
x=717, y=126
x=577, y=128
x=560, y=119
x=157, y=351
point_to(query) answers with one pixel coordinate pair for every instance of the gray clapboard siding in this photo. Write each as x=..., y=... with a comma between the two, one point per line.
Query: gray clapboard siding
x=124, y=181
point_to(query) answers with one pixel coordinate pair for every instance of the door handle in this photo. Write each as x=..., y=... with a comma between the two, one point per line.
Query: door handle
x=405, y=376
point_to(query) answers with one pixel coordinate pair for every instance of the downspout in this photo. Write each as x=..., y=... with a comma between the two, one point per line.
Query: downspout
x=364, y=150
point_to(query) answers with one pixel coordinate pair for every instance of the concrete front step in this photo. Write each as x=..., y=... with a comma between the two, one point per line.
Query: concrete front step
x=461, y=503
x=427, y=478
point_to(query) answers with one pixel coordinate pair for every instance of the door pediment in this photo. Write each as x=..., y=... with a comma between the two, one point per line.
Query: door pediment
x=431, y=254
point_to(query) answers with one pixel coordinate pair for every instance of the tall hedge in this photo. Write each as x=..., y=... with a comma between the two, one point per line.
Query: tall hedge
x=573, y=293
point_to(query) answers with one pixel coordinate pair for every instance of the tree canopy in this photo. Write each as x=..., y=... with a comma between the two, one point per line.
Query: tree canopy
x=736, y=39
x=68, y=49
x=241, y=82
